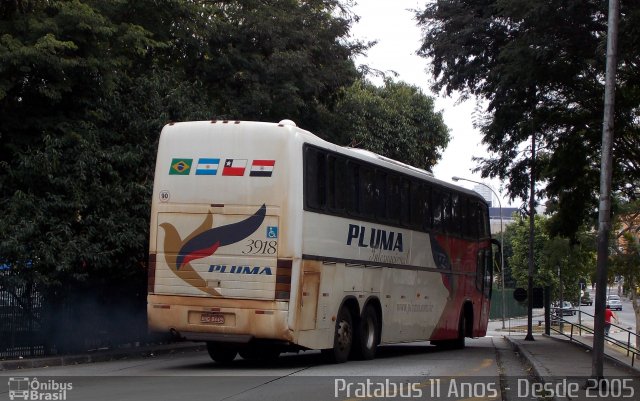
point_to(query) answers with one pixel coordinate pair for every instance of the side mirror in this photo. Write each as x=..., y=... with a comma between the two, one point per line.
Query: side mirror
x=497, y=256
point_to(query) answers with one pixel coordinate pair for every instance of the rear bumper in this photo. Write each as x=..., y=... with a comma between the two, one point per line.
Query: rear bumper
x=244, y=320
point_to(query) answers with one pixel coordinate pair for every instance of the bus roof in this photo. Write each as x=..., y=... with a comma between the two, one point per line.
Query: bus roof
x=363, y=154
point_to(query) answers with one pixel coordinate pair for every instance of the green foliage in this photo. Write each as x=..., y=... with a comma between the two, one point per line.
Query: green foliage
x=551, y=254
x=62, y=196
x=507, y=245
x=540, y=67
x=267, y=60
x=85, y=88
x=396, y=120
x=625, y=255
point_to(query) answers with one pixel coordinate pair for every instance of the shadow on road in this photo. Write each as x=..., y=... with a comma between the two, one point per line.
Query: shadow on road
x=306, y=359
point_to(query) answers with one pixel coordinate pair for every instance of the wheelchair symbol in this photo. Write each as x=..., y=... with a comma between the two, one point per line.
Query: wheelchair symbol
x=272, y=232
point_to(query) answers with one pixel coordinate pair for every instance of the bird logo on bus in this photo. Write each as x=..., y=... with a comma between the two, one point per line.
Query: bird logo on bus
x=203, y=242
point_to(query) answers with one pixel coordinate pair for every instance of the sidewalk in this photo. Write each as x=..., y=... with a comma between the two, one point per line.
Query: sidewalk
x=555, y=359
x=556, y=362
x=101, y=356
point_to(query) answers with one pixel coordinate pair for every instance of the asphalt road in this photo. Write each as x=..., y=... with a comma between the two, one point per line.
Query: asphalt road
x=483, y=370
x=626, y=316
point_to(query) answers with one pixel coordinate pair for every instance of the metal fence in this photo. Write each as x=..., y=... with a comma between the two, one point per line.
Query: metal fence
x=76, y=319
x=578, y=330
x=513, y=308
x=20, y=321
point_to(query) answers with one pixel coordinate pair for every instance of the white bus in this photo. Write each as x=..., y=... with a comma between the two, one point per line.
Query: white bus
x=266, y=238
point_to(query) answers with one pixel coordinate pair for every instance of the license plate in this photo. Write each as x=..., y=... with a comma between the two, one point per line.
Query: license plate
x=216, y=318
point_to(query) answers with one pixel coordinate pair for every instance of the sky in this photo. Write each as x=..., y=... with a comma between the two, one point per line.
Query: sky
x=391, y=24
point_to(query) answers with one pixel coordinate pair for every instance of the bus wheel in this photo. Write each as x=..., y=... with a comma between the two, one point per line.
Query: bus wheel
x=367, y=336
x=342, y=338
x=221, y=353
x=458, y=343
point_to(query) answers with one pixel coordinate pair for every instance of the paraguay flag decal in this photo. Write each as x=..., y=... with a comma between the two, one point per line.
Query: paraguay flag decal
x=262, y=168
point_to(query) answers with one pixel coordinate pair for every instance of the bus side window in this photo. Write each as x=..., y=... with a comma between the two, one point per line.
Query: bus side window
x=352, y=187
x=366, y=197
x=315, y=185
x=425, y=204
x=437, y=202
x=380, y=195
x=453, y=215
x=418, y=209
x=337, y=183
x=485, y=230
x=463, y=212
x=473, y=223
x=394, y=198
x=405, y=202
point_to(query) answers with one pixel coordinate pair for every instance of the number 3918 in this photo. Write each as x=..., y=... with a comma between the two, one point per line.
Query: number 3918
x=260, y=247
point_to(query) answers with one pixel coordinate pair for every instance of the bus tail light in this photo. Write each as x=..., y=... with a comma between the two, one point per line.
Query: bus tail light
x=151, y=273
x=283, y=279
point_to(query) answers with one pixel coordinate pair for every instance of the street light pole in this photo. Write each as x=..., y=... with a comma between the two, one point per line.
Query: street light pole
x=501, y=240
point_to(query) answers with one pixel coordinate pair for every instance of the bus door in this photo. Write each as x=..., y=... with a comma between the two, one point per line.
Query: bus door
x=484, y=280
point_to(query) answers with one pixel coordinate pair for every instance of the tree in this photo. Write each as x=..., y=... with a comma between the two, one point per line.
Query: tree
x=395, y=120
x=267, y=60
x=74, y=172
x=553, y=256
x=85, y=88
x=540, y=67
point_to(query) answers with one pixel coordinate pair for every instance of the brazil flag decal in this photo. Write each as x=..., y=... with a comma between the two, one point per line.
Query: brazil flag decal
x=180, y=166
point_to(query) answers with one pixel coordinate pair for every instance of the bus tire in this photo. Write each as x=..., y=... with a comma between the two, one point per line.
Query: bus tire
x=458, y=343
x=367, y=335
x=221, y=353
x=342, y=338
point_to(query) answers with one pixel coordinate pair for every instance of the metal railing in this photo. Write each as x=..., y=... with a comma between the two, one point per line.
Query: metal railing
x=576, y=330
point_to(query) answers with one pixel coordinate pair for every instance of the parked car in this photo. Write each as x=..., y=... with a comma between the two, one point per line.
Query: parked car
x=614, y=302
x=565, y=310
x=586, y=299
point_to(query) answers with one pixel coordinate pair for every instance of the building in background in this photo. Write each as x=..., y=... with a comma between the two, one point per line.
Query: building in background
x=507, y=218
x=494, y=209
x=485, y=192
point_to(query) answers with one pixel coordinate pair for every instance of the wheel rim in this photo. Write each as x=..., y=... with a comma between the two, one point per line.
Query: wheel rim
x=369, y=333
x=344, y=335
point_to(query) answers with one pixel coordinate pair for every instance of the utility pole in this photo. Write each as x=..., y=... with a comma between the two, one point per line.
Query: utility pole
x=532, y=216
x=604, y=211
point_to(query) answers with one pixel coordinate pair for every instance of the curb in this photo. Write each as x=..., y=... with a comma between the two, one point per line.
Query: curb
x=101, y=356
x=530, y=361
x=535, y=367
x=527, y=356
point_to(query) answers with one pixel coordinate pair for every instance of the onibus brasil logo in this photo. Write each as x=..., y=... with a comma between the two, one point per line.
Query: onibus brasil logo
x=24, y=388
